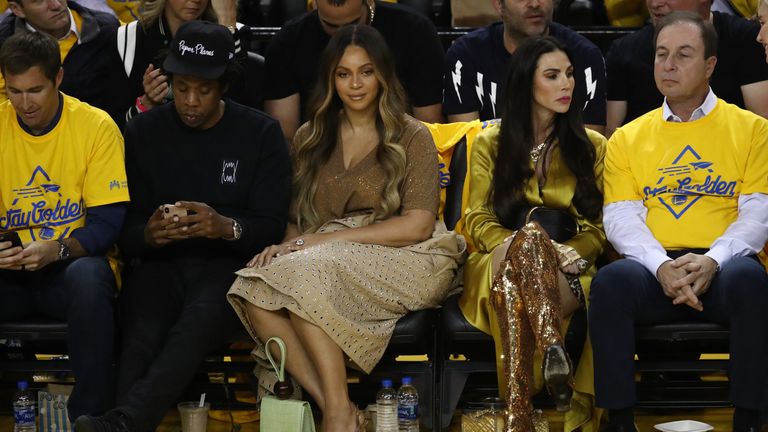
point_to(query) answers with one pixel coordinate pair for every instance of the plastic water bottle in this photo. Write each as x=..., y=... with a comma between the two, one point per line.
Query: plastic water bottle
x=23, y=409
x=386, y=408
x=408, y=407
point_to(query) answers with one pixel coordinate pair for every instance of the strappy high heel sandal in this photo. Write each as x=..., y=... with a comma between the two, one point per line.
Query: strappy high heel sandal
x=558, y=374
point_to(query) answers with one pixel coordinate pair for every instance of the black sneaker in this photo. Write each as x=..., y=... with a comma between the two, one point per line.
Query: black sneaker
x=111, y=421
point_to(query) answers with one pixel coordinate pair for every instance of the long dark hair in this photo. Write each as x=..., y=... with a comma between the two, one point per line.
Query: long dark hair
x=325, y=109
x=516, y=138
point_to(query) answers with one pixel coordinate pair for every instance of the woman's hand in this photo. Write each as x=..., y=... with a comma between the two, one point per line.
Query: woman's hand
x=308, y=240
x=295, y=244
x=266, y=256
x=570, y=261
x=155, y=87
x=571, y=269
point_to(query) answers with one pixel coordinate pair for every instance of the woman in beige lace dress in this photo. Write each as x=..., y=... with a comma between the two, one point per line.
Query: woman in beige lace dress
x=365, y=247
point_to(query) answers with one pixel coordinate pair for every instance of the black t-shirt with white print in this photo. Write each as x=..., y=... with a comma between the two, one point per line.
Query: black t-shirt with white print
x=476, y=65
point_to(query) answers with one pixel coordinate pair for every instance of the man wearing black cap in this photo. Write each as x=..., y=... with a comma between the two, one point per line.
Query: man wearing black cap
x=211, y=180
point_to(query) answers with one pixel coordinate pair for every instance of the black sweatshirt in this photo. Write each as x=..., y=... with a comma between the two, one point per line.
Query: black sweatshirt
x=240, y=167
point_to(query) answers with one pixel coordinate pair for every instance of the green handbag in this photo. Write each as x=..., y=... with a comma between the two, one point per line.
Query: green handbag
x=284, y=415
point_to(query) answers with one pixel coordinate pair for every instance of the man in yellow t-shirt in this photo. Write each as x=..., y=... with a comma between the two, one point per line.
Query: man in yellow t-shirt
x=686, y=204
x=63, y=192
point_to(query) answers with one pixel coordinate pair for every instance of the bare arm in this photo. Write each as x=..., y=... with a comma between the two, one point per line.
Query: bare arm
x=455, y=118
x=226, y=10
x=756, y=97
x=291, y=232
x=411, y=227
x=287, y=112
x=429, y=113
x=616, y=112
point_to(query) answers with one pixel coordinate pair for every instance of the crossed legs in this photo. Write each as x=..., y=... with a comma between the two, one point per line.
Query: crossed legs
x=527, y=304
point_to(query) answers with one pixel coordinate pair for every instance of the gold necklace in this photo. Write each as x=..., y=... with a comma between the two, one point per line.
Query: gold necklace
x=536, y=152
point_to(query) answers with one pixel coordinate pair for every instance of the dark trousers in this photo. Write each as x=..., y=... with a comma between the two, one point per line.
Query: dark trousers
x=624, y=294
x=174, y=312
x=81, y=292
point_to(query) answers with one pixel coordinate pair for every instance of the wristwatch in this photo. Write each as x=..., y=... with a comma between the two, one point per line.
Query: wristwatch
x=237, y=230
x=63, y=250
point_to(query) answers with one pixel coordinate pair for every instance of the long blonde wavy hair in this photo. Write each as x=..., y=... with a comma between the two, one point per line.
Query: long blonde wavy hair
x=325, y=110
x=151, y=10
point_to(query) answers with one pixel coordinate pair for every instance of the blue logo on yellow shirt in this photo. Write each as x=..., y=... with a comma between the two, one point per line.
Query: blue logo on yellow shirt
x=39, y=204
x=688, y=187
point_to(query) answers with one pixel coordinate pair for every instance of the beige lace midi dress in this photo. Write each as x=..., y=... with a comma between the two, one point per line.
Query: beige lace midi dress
x=356, y=292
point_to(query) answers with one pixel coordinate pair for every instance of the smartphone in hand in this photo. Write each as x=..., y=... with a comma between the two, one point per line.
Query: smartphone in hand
x=170, y=210
x=10, y=236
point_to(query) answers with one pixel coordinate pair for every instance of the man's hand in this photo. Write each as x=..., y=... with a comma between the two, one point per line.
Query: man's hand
x=205, y=222
x=39, y=254
x=156, y=231
x=701, y=270
x=669, y=277
x=10, y=257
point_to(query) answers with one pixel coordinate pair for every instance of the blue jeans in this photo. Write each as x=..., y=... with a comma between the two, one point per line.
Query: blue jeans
x=80, y=292
x=624, y=294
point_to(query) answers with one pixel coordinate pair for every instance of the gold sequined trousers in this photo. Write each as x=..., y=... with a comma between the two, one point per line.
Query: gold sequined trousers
x=525, y=302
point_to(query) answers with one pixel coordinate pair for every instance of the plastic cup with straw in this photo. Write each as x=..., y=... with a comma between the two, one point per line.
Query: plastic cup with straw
x=194, y=415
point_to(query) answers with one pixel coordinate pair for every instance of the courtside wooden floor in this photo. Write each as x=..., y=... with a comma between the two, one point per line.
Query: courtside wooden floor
x=719, y=418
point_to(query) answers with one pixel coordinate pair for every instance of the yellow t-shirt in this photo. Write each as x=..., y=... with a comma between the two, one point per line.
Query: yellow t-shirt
x=47, y=182
x=65, y=46
x=126, y=10
x=689, y=175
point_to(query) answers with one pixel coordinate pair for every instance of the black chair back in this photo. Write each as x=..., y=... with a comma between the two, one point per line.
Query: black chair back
x=455, y=188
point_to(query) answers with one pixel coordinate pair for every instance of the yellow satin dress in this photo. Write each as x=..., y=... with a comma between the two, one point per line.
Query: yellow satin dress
x=484, y=233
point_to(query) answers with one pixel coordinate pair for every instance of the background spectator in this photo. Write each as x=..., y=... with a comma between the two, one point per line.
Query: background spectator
x=293, y=56
x=85, y=39
x=140, y=84
x=741, y=77
x=476, y=63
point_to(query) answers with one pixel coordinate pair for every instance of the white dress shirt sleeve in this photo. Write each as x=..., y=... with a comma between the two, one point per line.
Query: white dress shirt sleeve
x=747, y=234
x=625, y=228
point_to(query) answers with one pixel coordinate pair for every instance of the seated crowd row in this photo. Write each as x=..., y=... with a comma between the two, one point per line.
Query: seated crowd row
x=118, y=68
x=327, y=242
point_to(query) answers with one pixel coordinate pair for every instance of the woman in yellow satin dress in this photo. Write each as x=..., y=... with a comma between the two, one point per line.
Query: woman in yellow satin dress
x=519, y=285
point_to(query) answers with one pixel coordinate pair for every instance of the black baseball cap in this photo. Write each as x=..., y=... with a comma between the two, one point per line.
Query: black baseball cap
x=200, y=48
